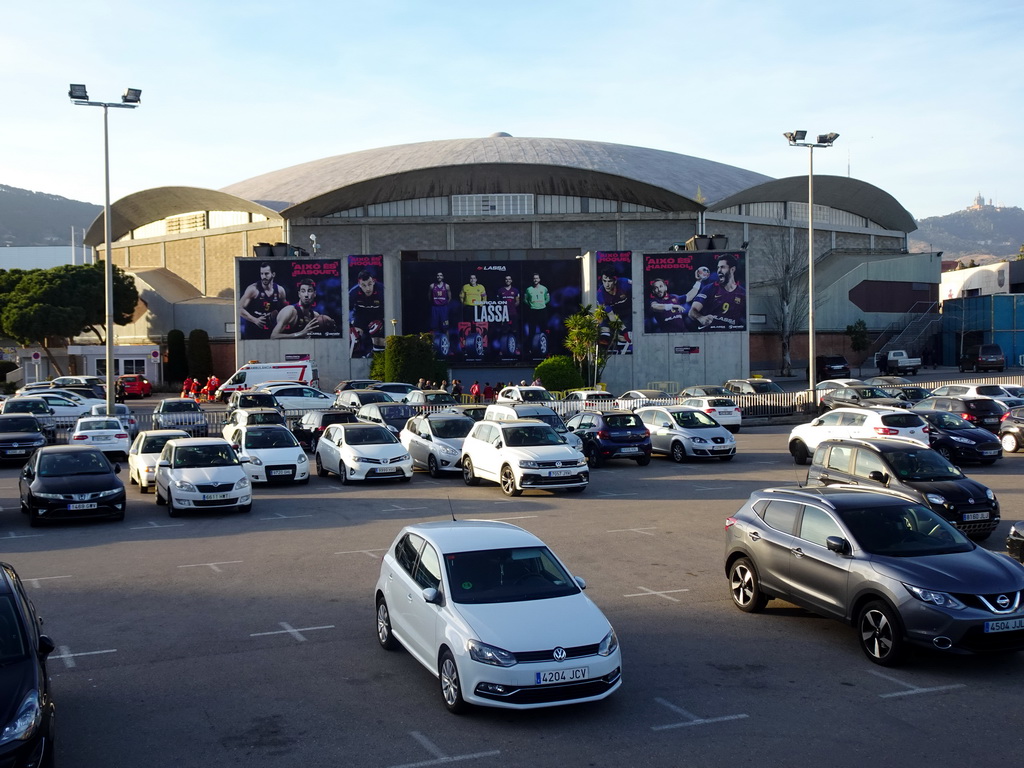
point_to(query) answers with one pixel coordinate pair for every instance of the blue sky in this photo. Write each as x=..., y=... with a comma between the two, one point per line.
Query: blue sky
x=926, y=96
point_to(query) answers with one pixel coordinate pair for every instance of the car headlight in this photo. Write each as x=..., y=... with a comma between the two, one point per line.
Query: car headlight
x=581, y=462
x=111, y=492
x=964, y=440
x=526, y=464
x=182, y=485
x=697, y=440
x=357, y=459
x=490, y=654
x=403, y=457
x=609, y=645
x=26, y=721
x=935, y=498
x=301, y=459
x=256, y=460
x=943, y=599
x=444, y=449
x=991, y=496
x=243, y=483
x=48, y=495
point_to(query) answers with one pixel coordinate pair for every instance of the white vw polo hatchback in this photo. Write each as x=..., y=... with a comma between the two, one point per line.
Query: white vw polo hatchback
x=522, y=454
x=491, y=612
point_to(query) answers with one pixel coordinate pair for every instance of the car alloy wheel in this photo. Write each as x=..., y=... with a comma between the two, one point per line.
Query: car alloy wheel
x=508, y=482
x=1009, y=442
x=945, y=453
x=745, y=587
x=451, y=686
x=172, y=511
x=320, y=471
x=593, y=457
x=432, y=467
x=800, y=454
x=881, y=635
x=467, y=473
x=384, y=637
x=678, y=452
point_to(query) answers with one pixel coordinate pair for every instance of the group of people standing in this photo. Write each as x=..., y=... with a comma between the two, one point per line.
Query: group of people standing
x=200, y=391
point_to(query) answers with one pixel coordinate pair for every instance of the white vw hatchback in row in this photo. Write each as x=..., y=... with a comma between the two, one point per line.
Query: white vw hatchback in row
x=490, y=611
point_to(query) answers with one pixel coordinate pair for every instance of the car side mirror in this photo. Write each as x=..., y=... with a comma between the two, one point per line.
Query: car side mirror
x=432, y=596
x=838, y=544
x=879, y=477
x=497, y=443
x=816, y=423
x=580, y=582
x=46, y=645
x=571, y=429
x=163, y=463
x=28, y=473
x=665, y=424
x=117, y=469
x=243, y=459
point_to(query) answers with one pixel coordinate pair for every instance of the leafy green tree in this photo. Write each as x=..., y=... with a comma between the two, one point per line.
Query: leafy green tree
x=584, y=340
x=410, y=358
x=559, y=373
x=859, y=338
x=200, y=356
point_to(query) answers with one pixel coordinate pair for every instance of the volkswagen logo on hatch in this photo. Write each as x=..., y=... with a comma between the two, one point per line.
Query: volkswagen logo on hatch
x=558, y=463
x=559, y=653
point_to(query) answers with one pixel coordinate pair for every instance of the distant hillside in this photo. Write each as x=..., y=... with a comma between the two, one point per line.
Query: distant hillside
x=37, y=218
x=984, y=233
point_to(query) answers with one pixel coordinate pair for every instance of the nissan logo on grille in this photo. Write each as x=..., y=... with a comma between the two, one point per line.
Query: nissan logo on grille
x=559, y=653
x=1003, y=601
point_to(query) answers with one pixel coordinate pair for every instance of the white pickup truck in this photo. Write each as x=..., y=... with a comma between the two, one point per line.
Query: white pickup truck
x=897, y=361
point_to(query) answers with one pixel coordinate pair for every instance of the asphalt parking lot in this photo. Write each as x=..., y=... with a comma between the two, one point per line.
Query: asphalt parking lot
x=250, y=639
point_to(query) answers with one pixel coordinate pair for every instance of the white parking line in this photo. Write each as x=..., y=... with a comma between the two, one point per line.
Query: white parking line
x=644, y=531
x=691, y=718
x=151, y=524
x=664, y=593
x=369, y=552
x=712, y=487
x=35, y=582
x=279, y=516
x=69, y=657
x=606, y=493
x=913, y=689
x=13, y=535
x=406, y=509
x=212, y=566
x=290, y=630
x=440, y=757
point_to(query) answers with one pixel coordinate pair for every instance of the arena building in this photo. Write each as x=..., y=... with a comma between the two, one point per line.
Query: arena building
x=490, y=243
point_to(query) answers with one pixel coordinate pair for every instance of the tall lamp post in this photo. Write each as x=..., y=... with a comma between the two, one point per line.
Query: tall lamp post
x=797, y=139
x=131, y=98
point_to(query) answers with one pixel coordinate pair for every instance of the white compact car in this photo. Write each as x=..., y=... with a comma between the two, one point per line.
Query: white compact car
x=103, y=432
x=298, y=397
x=122, y=413
x=522, y=454
x=524, y=394
x=856, y=422
x=722, y=409
x=144, y=454
x=686, y=433
x=434, y=441
x=492, y=613
x=361, y=452
x=202, y=473
x=273, y=452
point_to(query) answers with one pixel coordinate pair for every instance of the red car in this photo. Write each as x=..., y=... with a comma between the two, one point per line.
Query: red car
x=136, y=385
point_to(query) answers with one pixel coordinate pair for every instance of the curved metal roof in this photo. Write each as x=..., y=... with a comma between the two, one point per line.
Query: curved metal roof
x=838, y=192
x=141, y=208
x=659, y=179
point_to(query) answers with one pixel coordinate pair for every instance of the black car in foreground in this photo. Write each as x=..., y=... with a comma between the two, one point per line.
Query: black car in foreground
x=20, y=436
x=26, y=706
x=959, y=440
x=885, y=563
x=68, y=482
x=908, y=467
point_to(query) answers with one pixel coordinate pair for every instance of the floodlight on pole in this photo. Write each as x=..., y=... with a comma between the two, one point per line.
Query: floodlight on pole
x=131, y=98
x=796, y=139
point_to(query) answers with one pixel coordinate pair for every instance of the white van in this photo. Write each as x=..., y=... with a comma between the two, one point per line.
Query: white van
x=516, y=411
x=256, y=374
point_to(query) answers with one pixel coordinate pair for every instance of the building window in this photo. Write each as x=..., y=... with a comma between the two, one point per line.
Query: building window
x=492, y=205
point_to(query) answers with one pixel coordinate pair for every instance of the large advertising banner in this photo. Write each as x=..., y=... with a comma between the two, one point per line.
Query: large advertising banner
x=487, y=312
x=289, y=298
x=688, y=291
x=615, y=295
x=365, y=305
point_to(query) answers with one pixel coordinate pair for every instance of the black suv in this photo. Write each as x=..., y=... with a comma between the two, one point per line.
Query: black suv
x=985, y=357
x=983, y=411
x=906, y=466
x=25, y=701
x=1011, y=430
x=612, y=435
x=831, y=367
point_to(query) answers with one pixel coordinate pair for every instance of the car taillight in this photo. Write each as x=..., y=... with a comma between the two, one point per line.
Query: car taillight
x=739, y=410
x=80, y=437
x=647, y=433
x=926, y=429
x=968, y=416
x=121, y=435
x=1003, y=417
x=709, y=410
x=603, y=434
x=730, y=522
x=886, y=431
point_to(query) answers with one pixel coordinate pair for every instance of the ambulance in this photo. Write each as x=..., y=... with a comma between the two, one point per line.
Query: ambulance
x=254, y=374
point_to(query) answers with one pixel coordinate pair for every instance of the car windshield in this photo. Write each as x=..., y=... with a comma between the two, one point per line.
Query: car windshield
x=622, y=420
x=541, y=434
x=911, y=530
x=983, y=406
x=77, y=463
x=721, y=402
x=693, y=419
x=257, y=401
x=266, y=418
x=904, y=420
x=392, y=413
x=369, y=436
x=990, y=390
x=553, y=420
x=909, y=393
x=871, y=392
x=439, y=398
x=23, y=406
x=507, y=576
x=12, y=644
x=26, y=424
x=270, y=438
x=341, y=417
x=536, y=395
x=156, y=444
x=451, y=428
x=204, y=456
x=87, y=425
x=952, y=421
x=181, y=406
x=599, y=396
x=922, y=465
